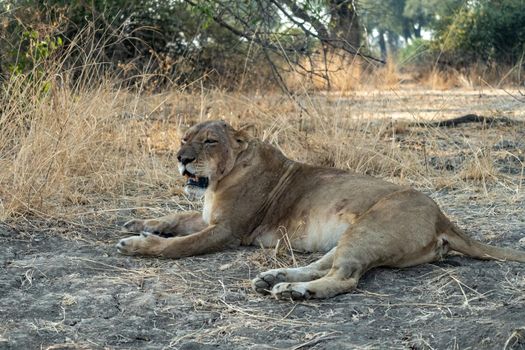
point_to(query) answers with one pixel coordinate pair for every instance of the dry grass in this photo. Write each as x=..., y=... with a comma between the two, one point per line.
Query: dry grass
x=327, y=72
x=338, y=72
x=89, y=148
x=335, y=71
x=98, y=146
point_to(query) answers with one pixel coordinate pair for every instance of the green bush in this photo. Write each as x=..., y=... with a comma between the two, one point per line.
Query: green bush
x=417, y=53
x=163, y=40
x=490, y=31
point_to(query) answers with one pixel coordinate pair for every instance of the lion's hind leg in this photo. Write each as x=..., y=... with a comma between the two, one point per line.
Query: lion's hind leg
x=321, y=288
x=342, y=278
x=383, y=236
x=264, y=282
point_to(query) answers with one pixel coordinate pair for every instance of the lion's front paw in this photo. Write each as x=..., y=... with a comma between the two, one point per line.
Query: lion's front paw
x=295, y=291
x=264, y=282
x=154, y=226
x=134, y=225
x=144, y=244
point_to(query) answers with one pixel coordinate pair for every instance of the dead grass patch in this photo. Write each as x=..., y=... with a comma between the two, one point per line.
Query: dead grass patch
x=81, y=148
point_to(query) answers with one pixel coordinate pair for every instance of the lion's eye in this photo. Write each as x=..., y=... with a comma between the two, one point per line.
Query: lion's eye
x=210, y=141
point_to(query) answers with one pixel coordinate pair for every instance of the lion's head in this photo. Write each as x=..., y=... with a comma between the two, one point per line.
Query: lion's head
x=208, y=152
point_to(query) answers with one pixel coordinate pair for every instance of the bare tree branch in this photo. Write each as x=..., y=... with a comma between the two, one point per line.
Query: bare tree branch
x=323, y=35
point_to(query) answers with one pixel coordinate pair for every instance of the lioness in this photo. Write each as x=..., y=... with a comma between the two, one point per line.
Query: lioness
x=254, y=195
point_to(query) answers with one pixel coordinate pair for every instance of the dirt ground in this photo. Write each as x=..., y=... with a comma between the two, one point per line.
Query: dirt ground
x=73, y=291
x=64, y=286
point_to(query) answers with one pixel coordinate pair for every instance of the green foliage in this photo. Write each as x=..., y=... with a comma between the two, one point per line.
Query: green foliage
x=184, y=40
x=385, y=15
x=432, y=14
x=417, y=53
x=34, y=52
x=31, y=58
x=168, y=40
x=387, y=21
x=463, y=32
x=486, y=31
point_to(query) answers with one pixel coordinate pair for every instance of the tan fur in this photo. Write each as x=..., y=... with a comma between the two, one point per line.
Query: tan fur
x=257, y=196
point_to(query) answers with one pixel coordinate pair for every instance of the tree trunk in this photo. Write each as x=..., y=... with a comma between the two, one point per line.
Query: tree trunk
x=344, y=22
x=382, y=45
x=393, y=44
x=406, y=30
x=417, y=31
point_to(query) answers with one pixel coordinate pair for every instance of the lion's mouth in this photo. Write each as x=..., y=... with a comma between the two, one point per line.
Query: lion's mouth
x=194, y=180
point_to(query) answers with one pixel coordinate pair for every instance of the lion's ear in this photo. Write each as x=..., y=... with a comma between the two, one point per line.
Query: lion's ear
x=241, y=137
x=247, y=129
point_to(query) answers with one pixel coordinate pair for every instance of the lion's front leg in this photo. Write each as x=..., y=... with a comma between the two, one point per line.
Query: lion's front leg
x=212, y=239
x=176, y=224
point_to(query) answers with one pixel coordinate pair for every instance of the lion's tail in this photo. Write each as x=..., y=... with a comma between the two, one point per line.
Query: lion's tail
x=462, y=243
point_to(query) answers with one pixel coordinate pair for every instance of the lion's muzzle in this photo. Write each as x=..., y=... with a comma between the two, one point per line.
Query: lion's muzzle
x=194, y=180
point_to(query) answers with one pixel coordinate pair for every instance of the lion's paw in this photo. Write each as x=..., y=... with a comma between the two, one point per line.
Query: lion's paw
x=154, y=226
x=288, y=291
x=143, y=244
x=264, y=282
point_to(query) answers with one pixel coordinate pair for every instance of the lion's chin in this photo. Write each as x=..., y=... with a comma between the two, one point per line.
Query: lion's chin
x=194, y=192
x=195, y=185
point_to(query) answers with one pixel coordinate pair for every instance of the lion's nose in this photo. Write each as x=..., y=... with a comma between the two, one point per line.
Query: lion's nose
x=185, y=159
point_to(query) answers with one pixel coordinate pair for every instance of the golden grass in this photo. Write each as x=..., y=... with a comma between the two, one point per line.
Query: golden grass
x=106, y=147
x=67, y=148
x=336, y=71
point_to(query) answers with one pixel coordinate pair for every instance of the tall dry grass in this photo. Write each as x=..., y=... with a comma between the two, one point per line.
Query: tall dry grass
x=70, y=148
x=71, y=136
x=92, y=144
x=336, y=71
